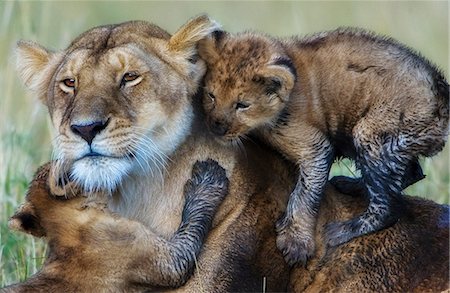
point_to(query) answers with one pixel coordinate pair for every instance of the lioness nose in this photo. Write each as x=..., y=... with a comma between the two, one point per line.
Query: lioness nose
x=89, y=131
x=218, y=128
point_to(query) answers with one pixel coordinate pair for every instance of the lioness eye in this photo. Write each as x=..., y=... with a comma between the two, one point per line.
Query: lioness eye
x=69, y=82
x=242, y=105
x=129, y=76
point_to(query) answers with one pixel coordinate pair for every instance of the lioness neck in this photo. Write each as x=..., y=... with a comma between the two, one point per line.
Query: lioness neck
x=159, y=184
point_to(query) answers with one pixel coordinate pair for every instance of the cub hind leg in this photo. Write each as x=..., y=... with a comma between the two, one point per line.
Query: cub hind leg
x=296, y=229
x=383, y=161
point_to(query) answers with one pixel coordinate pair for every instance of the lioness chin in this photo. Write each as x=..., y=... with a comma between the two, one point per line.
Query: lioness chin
x=121, y=95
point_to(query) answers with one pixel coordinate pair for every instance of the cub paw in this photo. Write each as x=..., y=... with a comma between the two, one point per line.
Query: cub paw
x=60, y=186
x=296, y=245
x=348, y=185
x=208, y=181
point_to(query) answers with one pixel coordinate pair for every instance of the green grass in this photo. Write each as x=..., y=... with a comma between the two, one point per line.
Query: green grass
x=25, y=128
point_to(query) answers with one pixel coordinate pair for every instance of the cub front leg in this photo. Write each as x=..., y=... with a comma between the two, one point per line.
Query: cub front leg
x=297, y=227
x=169, y=263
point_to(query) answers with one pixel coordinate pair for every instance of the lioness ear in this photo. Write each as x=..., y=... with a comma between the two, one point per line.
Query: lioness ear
x=25, y=220
x=278, y=78
x=185, y=40
x=35, y=65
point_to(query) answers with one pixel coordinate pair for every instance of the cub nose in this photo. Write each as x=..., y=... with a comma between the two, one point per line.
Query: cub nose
x=89, y=131
x=218, y=128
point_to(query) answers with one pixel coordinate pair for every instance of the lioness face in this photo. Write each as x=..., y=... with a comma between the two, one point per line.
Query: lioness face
x=247, y=83
x=111, y=114
x=119, y=97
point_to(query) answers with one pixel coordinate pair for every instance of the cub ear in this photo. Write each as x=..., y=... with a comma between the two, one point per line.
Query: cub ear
x=26, y=221
x=35, y=65
x=186, y=39
x=209, y=46
x=278, y=78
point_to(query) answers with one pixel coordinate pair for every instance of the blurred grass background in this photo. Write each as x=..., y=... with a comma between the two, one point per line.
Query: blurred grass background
x=25, y=129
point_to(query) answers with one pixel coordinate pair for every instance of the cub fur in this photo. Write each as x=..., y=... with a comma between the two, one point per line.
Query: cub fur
x=92, y=250
x=344, y=93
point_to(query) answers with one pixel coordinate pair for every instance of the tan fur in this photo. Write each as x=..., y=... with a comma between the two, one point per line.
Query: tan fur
x=153, y=120
x=92, y=250
x=80, y=236
x=410, y=256
x=240, y=252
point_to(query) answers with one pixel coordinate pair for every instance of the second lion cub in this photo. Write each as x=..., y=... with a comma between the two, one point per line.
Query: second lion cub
x=344, y=93
x=94, y=250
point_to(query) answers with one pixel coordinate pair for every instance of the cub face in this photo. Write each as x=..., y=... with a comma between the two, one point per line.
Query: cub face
x=248, y=81
x=119, y=97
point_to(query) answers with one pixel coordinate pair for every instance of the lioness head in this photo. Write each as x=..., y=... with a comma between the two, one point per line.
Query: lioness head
x=248, y=81
x=119, y=96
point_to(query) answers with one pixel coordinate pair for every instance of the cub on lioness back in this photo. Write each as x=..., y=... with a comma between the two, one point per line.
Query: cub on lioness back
x=344, y=93
x=93, y=250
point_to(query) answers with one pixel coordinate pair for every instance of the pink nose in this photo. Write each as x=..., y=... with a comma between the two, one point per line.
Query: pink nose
x=89, y=131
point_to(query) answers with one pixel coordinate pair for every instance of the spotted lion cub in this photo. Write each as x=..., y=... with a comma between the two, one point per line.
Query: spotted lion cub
x=343, y=93
x=92, y=250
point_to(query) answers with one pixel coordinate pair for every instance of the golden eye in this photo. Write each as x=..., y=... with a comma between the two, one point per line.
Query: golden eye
x=69, y=82
x=129, y=76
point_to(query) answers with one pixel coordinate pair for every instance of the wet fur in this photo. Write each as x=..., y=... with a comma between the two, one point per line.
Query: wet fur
x=91, y=249
x=344, y=93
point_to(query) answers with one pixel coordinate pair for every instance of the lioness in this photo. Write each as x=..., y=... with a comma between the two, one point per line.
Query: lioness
x=343, y=93
x=121, y=97
x=92, y=250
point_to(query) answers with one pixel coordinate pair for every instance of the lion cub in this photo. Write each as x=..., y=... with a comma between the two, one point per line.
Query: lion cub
x=92, y=250
x=343, y=93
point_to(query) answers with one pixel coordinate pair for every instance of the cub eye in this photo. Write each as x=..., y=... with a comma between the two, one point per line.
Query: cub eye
x=211, y=96
x=69, y=82
x=129, y=77
x=242, y=105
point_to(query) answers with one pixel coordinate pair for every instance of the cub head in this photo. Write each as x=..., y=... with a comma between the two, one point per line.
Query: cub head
x=119, y=97
x=248, y=81
x=44, y=208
